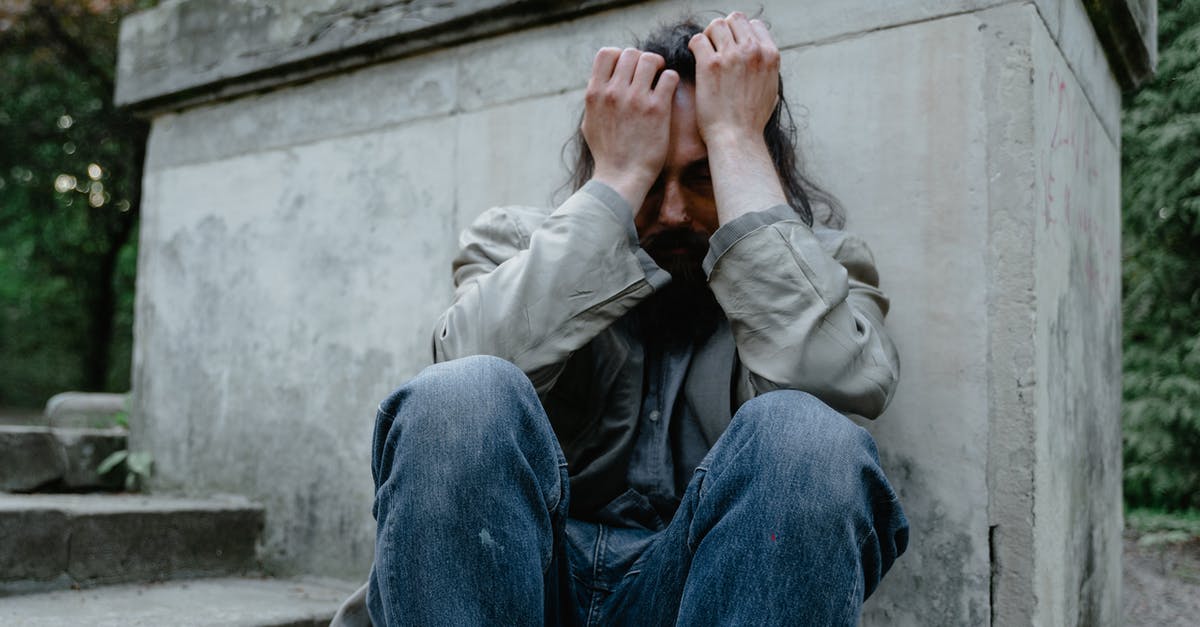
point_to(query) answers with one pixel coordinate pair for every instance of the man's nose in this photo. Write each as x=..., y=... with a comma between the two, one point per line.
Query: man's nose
x=673, y=211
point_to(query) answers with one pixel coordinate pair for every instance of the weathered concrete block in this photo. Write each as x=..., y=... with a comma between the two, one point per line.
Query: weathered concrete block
x=34, y=544
x=1086, y=61
x=39, y=457
x=915, y=213
x=29, y=458
x=83, y=450
x=172, y=49
x=352, y=237
x=1077, y=480
x=362, y=101
x=508, y=130
x=85, y=409
x=166, y=542
x=95, y=539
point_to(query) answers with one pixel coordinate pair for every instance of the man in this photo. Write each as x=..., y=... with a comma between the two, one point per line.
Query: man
x=636, y=418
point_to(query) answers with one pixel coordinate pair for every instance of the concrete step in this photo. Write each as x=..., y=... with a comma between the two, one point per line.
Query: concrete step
x=45, y=458
x=54, y=541
x=228, y=602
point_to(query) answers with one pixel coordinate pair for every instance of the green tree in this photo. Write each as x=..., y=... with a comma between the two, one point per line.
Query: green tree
x=1161, y=229
x=70, y=181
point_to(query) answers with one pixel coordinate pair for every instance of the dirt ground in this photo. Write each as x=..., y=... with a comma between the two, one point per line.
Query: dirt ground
x=1162, y=584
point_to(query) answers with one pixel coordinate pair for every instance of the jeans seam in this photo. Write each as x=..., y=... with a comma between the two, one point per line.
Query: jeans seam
x=559, y=494
x=855, y=592
x=596, y=553
x=691, y=544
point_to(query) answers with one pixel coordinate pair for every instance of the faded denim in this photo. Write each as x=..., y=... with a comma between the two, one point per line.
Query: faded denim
x=788, y=520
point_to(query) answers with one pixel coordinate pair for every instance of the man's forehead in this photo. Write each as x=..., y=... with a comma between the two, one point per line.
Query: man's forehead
x=687, y=146
x=685, y=96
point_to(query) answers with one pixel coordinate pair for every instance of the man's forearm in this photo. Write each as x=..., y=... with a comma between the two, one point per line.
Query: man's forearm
x=744, y=176
x=806, y=312
x=577, y=272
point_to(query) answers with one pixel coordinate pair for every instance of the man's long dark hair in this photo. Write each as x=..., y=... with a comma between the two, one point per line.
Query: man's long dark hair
x=671, y=41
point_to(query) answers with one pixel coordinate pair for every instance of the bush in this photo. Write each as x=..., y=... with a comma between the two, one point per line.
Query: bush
x=1161, y=268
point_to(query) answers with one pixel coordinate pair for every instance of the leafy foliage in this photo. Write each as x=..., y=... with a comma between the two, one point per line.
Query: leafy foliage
x=138, y=467
x=1161, y=267
x=70, y=179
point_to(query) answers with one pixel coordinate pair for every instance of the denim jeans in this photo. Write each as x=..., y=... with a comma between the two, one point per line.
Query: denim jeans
x=788, y=520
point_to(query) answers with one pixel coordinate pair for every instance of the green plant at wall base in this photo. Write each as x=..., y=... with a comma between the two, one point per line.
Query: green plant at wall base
x=120, y=419
x=138, y=466
x=1160, y=160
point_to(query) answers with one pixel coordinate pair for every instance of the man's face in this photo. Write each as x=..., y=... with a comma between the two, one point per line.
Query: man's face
x=680, y=212
x=673, y=225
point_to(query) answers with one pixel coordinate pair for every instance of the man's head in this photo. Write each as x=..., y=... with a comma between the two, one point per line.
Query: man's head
x=679, y=212
x=670, y=41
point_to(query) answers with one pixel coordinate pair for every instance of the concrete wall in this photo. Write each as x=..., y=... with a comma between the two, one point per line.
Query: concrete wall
x=1077, y=335
x=295, y=250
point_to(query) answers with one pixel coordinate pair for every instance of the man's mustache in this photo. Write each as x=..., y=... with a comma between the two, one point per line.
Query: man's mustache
x=664, y=242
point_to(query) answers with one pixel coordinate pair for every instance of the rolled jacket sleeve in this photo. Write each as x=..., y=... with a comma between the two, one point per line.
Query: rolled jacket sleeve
x=532, y=288
x=805, y=310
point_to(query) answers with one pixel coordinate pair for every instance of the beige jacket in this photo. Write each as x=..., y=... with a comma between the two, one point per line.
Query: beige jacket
x=547, y=291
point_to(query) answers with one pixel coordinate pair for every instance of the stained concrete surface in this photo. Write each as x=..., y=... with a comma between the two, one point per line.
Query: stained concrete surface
x=1077, y=475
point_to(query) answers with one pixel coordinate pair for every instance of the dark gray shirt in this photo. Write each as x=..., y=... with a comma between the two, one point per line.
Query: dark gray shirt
x=668, y=447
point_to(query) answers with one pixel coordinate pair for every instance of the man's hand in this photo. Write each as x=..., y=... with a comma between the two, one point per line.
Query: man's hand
x=737, y=88
x=626, y=122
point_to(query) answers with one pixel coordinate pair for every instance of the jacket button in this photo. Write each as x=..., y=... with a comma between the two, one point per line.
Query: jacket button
x=654, y=415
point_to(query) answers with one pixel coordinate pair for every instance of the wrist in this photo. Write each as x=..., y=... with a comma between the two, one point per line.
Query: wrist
x=732, y=140
x=631, y=186
x=744, y=176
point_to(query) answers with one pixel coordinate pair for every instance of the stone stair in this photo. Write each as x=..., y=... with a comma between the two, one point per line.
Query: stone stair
x=50, y=541
x=73, y=551
x=38, y=458
x=218, y=602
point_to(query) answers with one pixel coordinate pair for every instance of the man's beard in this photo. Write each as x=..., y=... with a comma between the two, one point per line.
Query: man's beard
x=685, y=311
